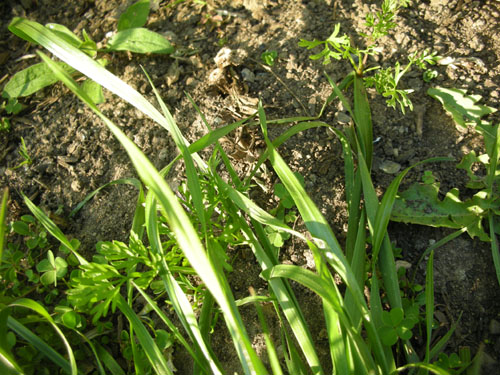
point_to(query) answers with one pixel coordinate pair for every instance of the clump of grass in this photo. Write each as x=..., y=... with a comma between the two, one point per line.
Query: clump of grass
x=212, y=214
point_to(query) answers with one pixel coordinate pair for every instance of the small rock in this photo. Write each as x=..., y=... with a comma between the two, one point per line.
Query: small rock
x=390, y=167
x=343, y=118
x=494, y=327
x=403, y=264
x=248, y=75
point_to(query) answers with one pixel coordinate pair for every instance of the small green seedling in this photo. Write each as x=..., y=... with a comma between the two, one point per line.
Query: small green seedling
x=396, y=326
x=52, y=269
x=386, y=80
x=23, y=151
x=130, y=36
x=269, y=57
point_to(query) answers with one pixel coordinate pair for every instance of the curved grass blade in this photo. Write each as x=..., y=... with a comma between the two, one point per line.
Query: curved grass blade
x=186, y=236
x=52, y=228
x=69, y=367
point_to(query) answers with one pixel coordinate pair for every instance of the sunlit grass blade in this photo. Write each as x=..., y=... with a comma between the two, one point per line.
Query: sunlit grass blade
x=193, y=181
x=426, y=366
x=179, y=222
x=177, y=297
x=167, y=322
x=284, y=295
x=89, y=67
x=8, y=364
x=327, y=293
x=363, y=119
x=68, y=366
x=155, y=356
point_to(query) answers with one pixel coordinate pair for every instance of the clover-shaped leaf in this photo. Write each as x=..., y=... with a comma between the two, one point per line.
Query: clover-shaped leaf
x=52, y=268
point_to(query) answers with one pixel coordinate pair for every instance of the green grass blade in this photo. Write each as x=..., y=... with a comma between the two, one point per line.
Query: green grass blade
x=327, y=293
x=69, y=367
x=283, y=292
x=172, y=327
x=495, y=250
x=52, y=228
x=438, y=347
x=3, y=214
x=186, y=236
x=271, y=350
x=155, y=356
x=193, y=181
x=39, y=344
x=108, y=360
x=130, y=181
x=363, y=119
x=177, y=297
x=429, y=306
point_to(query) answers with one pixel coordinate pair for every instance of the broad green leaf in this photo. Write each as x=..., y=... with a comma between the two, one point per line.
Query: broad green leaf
x=460, y=106
x=135, y=16
x=420, y=205
x=93, y=90
x=139, y=40
x=31, y=80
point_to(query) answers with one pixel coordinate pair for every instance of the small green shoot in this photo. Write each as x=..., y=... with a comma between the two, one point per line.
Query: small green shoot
x=23, y=151
x=269, y=57
x=387, y=80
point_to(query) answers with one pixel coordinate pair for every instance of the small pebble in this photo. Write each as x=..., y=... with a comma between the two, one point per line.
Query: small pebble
x=494, y=327
x=390, y=167
x=248, y=75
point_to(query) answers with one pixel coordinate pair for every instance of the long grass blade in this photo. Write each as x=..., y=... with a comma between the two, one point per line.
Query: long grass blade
x=429, y=306
x=3, y=213
x=178, y=298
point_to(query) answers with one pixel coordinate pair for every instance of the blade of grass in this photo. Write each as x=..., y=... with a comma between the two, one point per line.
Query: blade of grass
x=68, y=366
x=186, y=235
x=108, y=360
x=271, y=350
x=363, y=120
x=52, y=228
x=320, y=229
x=429, y=306
x=178, y=298
x=149, y=346
x=3, y=213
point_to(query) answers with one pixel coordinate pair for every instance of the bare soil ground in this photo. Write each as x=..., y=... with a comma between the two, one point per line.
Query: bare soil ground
x=73, y=153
